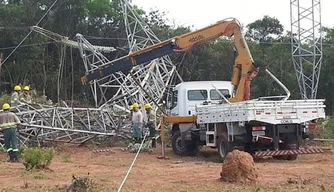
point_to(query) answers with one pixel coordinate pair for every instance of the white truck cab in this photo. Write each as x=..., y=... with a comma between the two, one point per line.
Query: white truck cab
x=187, y=95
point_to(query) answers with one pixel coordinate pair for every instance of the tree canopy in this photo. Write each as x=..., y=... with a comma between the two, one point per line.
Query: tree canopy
x=37, y=61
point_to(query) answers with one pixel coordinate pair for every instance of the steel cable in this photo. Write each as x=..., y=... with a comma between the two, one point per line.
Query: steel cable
x=29, y=33
x=133, y=162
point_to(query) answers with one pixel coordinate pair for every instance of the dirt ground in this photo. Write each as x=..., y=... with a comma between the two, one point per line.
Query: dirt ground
x=201, y=173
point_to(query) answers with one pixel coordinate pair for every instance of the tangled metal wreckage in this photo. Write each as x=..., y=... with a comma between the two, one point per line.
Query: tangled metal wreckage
x=143, y=84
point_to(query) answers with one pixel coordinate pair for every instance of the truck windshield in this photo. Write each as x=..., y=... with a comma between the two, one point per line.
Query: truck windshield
x=195, y=95
x=214, y=95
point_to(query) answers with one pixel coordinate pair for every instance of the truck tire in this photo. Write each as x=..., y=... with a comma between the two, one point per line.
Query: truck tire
x=291, y=146
x=181, y=147
x=223, y=147
x=287, y=146
x=280, y=157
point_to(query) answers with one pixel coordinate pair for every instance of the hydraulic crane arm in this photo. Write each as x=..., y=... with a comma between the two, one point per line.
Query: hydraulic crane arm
x=243, y=66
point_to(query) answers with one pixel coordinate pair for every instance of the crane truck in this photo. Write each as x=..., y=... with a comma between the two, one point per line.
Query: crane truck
x=220, y=114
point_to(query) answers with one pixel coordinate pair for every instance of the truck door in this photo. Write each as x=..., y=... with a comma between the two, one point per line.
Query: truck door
x=175, y=107
x=195, y=97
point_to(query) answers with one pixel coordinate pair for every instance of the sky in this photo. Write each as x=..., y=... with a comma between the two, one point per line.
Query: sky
x=199, y=13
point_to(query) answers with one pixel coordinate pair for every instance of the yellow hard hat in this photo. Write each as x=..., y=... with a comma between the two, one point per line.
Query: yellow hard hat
x=135, y=105
x=26, y=88
x=147, y=106
x=17, y=88
x=130, y=107
x=5, y=106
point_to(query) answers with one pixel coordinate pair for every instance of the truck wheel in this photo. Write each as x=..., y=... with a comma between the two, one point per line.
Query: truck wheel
x=181, y=147
x=280, y=157
x=287, y=157
x=223, y=147
x=291, y=146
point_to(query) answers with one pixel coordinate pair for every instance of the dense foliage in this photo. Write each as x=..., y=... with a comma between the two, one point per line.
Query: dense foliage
x=38, y=60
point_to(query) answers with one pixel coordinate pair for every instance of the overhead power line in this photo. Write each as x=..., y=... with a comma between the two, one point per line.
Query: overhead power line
x=37, y=44
x=14, y=28
x=28, y=45
x=29, y=33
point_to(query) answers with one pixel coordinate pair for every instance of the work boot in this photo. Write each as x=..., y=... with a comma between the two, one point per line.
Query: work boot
x=16, y=156
x=11, y=156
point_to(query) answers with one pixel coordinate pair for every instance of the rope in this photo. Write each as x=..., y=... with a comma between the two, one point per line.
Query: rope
x=28, y=33
x=133, y=162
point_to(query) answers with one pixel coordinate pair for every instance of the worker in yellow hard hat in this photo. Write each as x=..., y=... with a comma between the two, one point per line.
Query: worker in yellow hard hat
x=8, y=123
x=149, y=123
x=137, y=122
x=131, y=111
x=26, y=95
x=15, y=97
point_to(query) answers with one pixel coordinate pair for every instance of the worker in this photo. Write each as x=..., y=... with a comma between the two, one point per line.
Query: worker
x=149, y=120
x=8, y=123
x=248, y=82
x=131, y=111
x=15, y=97
x=137, y=121
x=26, y=95
x=222, y=101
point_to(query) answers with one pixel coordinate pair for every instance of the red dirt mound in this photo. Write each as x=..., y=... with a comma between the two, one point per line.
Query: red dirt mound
x=239, y=167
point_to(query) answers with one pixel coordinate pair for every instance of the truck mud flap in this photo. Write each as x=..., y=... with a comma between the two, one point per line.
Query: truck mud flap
x=288, y=152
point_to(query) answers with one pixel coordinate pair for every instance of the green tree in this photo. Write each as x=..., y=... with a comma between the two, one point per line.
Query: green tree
x=101, y=22
x=270, y=47
x=326, y=81
x=266, y=29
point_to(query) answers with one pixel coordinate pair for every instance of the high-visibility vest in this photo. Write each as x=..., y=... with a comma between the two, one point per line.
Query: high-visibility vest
x=8, y=120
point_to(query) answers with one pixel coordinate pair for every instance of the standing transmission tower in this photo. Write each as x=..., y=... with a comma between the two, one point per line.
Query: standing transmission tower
x=306, y=44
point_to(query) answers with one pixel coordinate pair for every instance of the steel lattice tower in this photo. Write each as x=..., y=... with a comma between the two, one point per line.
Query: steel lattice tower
x=306, y=44
x=155, y=77
x=145, y=83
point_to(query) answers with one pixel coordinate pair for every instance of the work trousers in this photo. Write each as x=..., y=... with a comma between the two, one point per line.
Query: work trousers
x=151, y=128
x=137, y=130
x=10, y=139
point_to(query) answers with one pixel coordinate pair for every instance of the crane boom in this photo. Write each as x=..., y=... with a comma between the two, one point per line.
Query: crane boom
x=243, y=66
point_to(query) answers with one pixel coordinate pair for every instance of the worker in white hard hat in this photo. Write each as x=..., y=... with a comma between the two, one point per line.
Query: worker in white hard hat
x=149, y=120
x=8, y=123
x=137, y=123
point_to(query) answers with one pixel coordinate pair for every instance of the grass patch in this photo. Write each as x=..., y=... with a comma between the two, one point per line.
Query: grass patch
x=82, y=184
x=39, y=175
x=66, y=158
x=325, y=129
x=329, y=128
